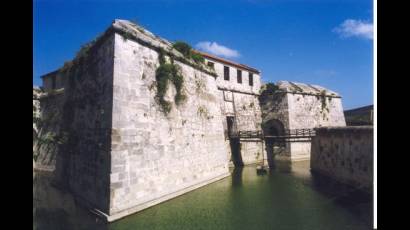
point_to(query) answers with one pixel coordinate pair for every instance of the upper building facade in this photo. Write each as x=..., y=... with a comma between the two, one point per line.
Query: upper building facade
x=233, y=76
x=239, y=87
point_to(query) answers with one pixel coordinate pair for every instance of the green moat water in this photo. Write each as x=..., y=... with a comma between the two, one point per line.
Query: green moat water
x=288, y=197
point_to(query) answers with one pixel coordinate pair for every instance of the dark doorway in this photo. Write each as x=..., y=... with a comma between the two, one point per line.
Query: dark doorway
x=234, y=142
x=272, y=128
x=230, y=120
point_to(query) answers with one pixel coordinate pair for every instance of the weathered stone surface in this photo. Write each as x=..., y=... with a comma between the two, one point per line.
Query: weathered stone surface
x=123, y=153
x=83, y=159
x=36, y=111
x=240, y=99
x=46, y=127
x=302, y=106
x=180, y=149
x=344, y=154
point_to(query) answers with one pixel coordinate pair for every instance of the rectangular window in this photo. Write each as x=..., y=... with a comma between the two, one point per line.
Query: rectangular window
x=239, y=75
x=251, y=79
x=226, y=73
x=211, y=64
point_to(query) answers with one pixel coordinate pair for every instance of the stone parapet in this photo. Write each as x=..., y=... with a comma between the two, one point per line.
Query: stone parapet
x=344, y=154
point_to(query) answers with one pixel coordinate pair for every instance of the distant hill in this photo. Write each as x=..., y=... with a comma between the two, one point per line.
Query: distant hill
x=359, y=116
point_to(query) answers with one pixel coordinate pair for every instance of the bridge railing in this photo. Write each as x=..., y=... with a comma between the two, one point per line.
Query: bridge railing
x=289, y=135
x=292, y=135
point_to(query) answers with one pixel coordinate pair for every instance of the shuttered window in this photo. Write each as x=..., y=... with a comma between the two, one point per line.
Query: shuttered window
x=226, y=73
x=239, y=76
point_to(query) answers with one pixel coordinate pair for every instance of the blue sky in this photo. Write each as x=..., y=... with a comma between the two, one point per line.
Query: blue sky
x=319, y=42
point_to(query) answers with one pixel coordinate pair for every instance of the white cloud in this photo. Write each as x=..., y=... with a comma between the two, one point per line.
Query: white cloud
x=215, y=48
x=355, y=28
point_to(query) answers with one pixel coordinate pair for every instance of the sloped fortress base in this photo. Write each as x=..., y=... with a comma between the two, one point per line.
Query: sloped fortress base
x=123, y=152
x=140, y=207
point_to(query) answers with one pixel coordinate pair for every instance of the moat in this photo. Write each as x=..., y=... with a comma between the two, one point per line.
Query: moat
x=288, y=197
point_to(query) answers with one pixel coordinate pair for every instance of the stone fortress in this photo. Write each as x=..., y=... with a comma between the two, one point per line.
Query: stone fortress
x=300, y=106
x=132, y=121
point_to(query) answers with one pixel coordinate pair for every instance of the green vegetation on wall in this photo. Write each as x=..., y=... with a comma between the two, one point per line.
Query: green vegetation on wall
x=183, y=48
x=203, y=112
x=197, y=58
x=186, y=50
x=168, y=72
x=52, y=138
x=79, y=61
x=267, y=90
x=270, y=93
x=324, y=106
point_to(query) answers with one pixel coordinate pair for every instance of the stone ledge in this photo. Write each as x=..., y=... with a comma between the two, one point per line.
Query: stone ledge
x=238, y=91
x=148, y=39
x=52, y=93
x=41, y=168
x=352, y=129
x=140, y=207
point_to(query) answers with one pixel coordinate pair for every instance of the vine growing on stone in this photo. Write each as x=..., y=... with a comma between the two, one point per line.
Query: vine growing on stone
x=168, y=72
x=324, y=104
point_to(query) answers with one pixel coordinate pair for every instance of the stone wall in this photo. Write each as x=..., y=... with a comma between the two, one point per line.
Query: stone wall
x=344, y=154
x=240, y=100
x=36, y=112
x=301, y=106
x=46, y=133
x=310, y=111
x=248, y=118
x=156, y=156
x=83, y=160
x=36, y=119
x=276, y=108
x=54, y=79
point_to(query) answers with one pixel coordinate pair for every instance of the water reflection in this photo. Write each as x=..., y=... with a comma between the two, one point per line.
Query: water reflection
x=237, y=176
x=287, y=197
x=57, y=210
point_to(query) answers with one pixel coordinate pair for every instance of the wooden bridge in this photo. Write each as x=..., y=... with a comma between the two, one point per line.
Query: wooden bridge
x=289, y=135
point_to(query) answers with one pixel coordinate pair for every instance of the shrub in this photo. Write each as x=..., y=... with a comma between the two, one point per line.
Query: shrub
x=268, y=90
x=183, y=47
x=186, y=50
x=197, y=58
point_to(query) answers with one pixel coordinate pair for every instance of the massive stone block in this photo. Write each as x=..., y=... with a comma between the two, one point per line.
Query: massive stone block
x=157, y=156
x=123, y=153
